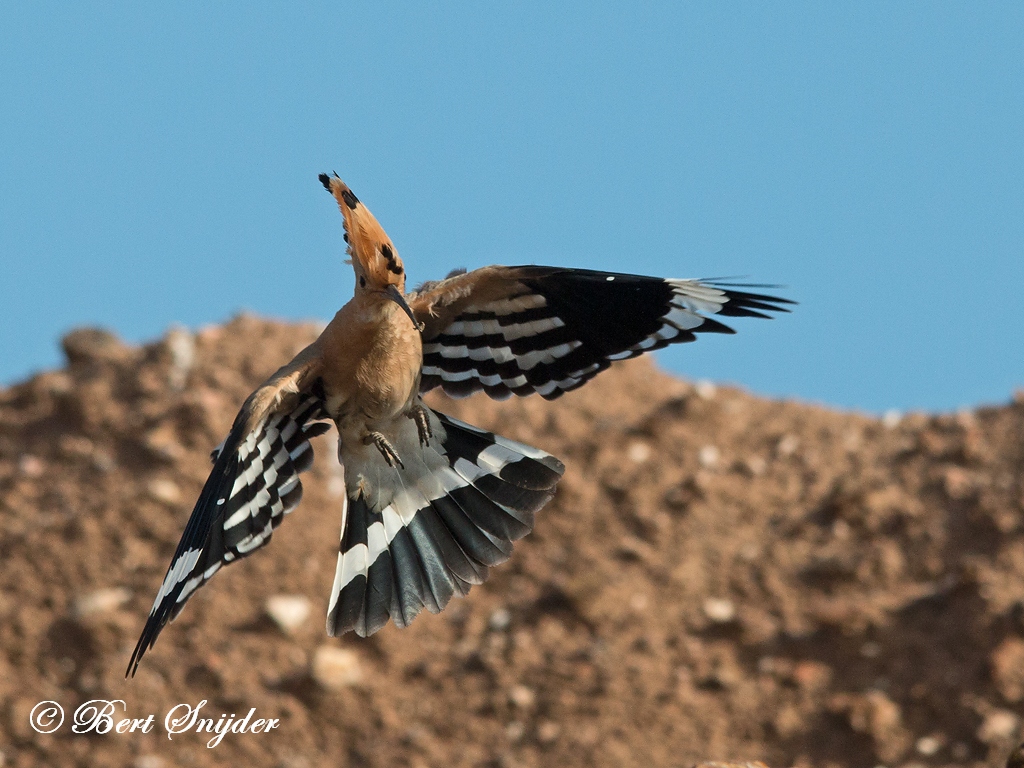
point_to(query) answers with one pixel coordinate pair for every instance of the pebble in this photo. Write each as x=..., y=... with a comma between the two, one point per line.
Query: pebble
x=958, y=483
x=209, y=334
x=928, y=745
x=31, y=466
x=515, y=731
x=787, y=445
x=1007, y=663
x=708, y=456
x=811, y=675
x=999, y=724
x=288, y=612
x=706, y=390
x=182, y=346
x=500, y=619
x=163, y=490
x=638, y=452
x=101, y=601
x=56, y=382
x=103, y=461
x=85, y=345
x=870, y=650
x=75, y=446
x=639, y=602
x=749, y=552
x=522, y=696
x=335, y=669
x=891, y=419
x=719, y=610
x=547, y=731
x=788, y=722
x=162, y=443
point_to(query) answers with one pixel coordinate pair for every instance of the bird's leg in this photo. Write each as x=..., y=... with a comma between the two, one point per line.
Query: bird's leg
x=419, y=414
x=387, y=450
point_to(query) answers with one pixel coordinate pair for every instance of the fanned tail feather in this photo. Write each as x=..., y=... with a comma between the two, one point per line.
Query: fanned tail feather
x=441, y=530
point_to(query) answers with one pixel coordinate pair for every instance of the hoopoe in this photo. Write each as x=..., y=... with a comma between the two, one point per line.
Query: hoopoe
x=431, y=503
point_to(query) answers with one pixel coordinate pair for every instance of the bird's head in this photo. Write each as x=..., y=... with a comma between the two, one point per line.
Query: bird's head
x=376, y=263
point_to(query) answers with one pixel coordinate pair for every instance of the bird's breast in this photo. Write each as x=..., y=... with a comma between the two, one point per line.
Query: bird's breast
x=372, y=370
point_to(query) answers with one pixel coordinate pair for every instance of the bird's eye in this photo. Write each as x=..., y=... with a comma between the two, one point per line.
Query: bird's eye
x=362, y=282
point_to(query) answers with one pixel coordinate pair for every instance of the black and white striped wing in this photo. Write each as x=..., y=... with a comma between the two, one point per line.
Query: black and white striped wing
x=441, y=531
x=552, y=330
x=253, y=485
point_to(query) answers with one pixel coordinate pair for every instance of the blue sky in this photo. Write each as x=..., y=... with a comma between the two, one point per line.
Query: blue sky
x=158, y=165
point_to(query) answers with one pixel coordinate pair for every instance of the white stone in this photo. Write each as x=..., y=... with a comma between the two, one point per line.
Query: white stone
x=500, y=619
x=289, y=612
x=638, y=452
x=891, y=419
x=706, y=390
x=182, y=346
x=719, y=610
x=928, y=745
x=164, y=490
x=522, y=696
x=101, y=601
x=998, y=725
x=335, y=668
x=708, y=456
x=31, y=466
x=787, y=445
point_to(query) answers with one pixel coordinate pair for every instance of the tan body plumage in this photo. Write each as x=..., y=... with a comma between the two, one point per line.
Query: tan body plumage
x=372, y=375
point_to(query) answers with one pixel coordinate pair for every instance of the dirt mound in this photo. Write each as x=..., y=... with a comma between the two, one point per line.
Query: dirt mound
x=719, y=577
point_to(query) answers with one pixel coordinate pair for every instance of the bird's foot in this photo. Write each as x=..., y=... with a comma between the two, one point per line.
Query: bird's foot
x=419, y=414
x=387, y=450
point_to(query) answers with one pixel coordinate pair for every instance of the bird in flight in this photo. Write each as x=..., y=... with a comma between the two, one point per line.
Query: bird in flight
x=431, y=503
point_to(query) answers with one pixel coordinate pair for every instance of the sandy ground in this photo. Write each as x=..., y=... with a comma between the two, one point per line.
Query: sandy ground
x=720, y=577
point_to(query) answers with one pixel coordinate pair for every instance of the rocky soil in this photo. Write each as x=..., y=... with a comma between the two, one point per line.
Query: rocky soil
x=720, y=577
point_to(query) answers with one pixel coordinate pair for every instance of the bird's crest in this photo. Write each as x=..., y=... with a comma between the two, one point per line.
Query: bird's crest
x=373, y=253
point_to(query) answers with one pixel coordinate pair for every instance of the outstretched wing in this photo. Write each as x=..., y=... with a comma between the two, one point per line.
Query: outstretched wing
x=253, y=485
x=520, y=330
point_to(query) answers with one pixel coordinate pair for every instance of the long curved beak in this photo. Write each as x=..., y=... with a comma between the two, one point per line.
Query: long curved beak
x=393, y=293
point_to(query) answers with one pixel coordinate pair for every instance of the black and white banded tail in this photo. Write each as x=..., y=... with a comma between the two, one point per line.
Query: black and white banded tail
x=253, y=485
x=440, y=531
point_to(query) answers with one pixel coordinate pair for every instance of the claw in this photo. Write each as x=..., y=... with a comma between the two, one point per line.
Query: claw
x=419, y=414
x=387, y=450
